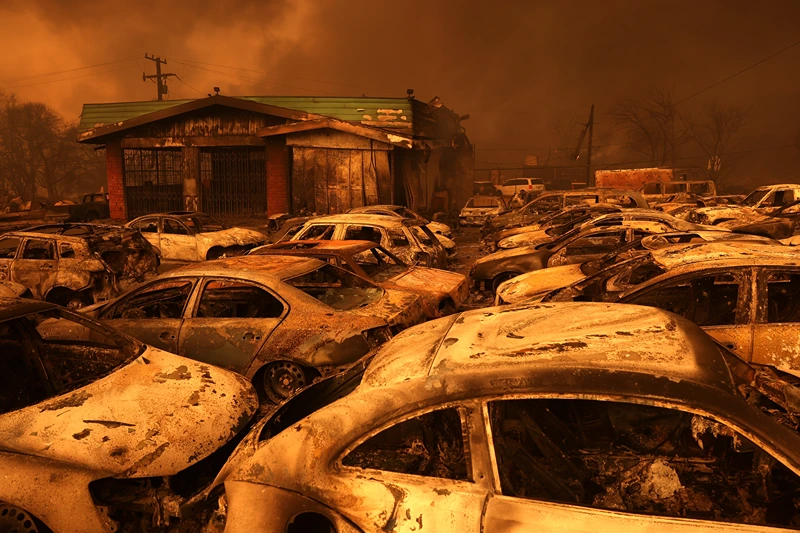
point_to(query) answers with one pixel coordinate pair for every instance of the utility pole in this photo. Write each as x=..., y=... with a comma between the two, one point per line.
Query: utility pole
x=162, y=85
x=590, y=126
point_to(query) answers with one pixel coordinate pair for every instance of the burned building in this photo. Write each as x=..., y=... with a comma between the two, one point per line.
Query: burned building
x=246, y=157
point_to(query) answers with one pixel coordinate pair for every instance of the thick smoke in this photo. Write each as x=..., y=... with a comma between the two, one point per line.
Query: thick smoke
x=513, y=66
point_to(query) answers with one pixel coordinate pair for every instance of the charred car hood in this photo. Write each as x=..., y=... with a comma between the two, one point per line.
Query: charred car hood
x=135, y=421
x=396, y=307
x=535, y=285
x=508, y=254
x=232, y=237
x=527, y=238
x=430, y=279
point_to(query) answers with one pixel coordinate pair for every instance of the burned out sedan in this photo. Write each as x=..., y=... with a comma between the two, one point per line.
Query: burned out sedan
x=404, y=212
x=557, y=418
x=746, y=297
x=533, y=286
x=574, y=247
x=94, y=424
x=410, y=240
x=280, y=321
x=441, y=292
x=194, y=236
x=76, y=264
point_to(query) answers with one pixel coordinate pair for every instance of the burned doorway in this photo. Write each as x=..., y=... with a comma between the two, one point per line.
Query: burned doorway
x=153, y=181
x=234, y=182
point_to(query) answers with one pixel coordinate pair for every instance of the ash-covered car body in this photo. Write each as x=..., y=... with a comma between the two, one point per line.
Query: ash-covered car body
x=756, y=204
x=441, y=292
x=404, y=212
x=555, y=201
x=479, y=209
x=575, y=246
x=85, y=409
x=599, y=219
x=746, y=297
x=553, y=418
x=76, y=264
x=410, y=240
x=533, y=286
x=280, y=321
x=194, y=236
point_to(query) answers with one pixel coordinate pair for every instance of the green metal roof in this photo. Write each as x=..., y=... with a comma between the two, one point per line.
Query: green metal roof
x=363, y=110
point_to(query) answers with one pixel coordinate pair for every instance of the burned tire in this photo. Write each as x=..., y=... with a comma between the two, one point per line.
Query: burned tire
x=500, y=278
x=90, y=216
x=282, y=379
x=447, y=307
x=14, y=519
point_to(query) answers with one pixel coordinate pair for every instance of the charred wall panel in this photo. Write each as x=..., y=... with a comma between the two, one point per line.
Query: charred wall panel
x=326, y=180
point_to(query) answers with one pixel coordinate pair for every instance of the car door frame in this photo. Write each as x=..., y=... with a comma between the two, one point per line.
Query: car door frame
x=6, y=264
x=633, y=520
x=745, y=310
x=171, y=338
x=760, y=321
x=45, y=272
x=194, y=302
x=190, y=233
x=438, y=489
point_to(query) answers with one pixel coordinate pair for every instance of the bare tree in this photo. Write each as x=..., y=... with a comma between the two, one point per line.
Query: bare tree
x=38, y=152
x=712, y=131
x=652, y=126
x=564, y=129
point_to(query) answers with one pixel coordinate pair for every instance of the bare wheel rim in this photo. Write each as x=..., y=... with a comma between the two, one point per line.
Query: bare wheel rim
x=15, y=520
x=283, y=379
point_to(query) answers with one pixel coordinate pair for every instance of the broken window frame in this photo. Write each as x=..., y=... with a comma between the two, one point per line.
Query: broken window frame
x=195, y=298
x=672, y=403
x=465, y=410
x=16, y=252
x=29, y=240
x=108, y=313
x=745, y=299
x=180, y=223
x=761, y=301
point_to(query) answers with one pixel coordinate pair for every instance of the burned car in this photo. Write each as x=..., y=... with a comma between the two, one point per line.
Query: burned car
x=280, y=321
x=553, y=202
x=76, y=264
x=552, y=225
x=746, y=297
x=533, y=286
x=554, y=418
x=94, y=424
x=410, y=240
x=441, y=292
x=194, y=236
x=404, y=212
x=479, y=209
x=576, y=246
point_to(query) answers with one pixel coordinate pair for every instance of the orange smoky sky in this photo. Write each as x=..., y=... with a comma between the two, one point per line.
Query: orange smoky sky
x=512, y=65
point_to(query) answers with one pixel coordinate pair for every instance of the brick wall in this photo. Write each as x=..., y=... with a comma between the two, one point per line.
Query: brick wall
x=116, y=188
x=277, y=176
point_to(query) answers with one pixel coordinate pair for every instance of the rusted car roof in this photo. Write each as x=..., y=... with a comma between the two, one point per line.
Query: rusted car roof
x=332, y=247
x=574, y=336
x=279, y=267
x=65, y=238
x=728, y=252
x=361, y=218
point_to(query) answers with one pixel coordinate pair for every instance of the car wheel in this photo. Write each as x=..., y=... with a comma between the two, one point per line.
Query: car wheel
x=447, y=307
x=90, y=216
x=282, y=380
x=14, y=519
x=500, y=278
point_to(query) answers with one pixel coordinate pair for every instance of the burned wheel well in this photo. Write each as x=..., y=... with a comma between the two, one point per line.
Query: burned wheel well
x=215, y=252
x=501, y=277
x=15, y=518
x=260, y=380
x=308, y=522
x=64, y=295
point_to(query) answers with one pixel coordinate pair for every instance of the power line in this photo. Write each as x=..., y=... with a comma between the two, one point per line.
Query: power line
x=71, y=78
x=34, y=76
x=189, y=86
x=277, y=74
x=738, y=73
x=244, y=78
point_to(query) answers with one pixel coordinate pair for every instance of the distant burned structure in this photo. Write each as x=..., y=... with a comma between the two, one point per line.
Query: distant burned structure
x=254, y=156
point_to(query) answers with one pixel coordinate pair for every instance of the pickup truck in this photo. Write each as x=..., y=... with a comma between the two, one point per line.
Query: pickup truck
x=93, y=207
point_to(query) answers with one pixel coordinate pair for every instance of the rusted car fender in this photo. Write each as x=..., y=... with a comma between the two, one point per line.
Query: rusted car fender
x=227, y=238
x=516, y=260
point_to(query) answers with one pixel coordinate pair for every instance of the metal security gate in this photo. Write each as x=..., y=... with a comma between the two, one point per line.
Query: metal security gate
x=153, y=181
x=234, y=182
